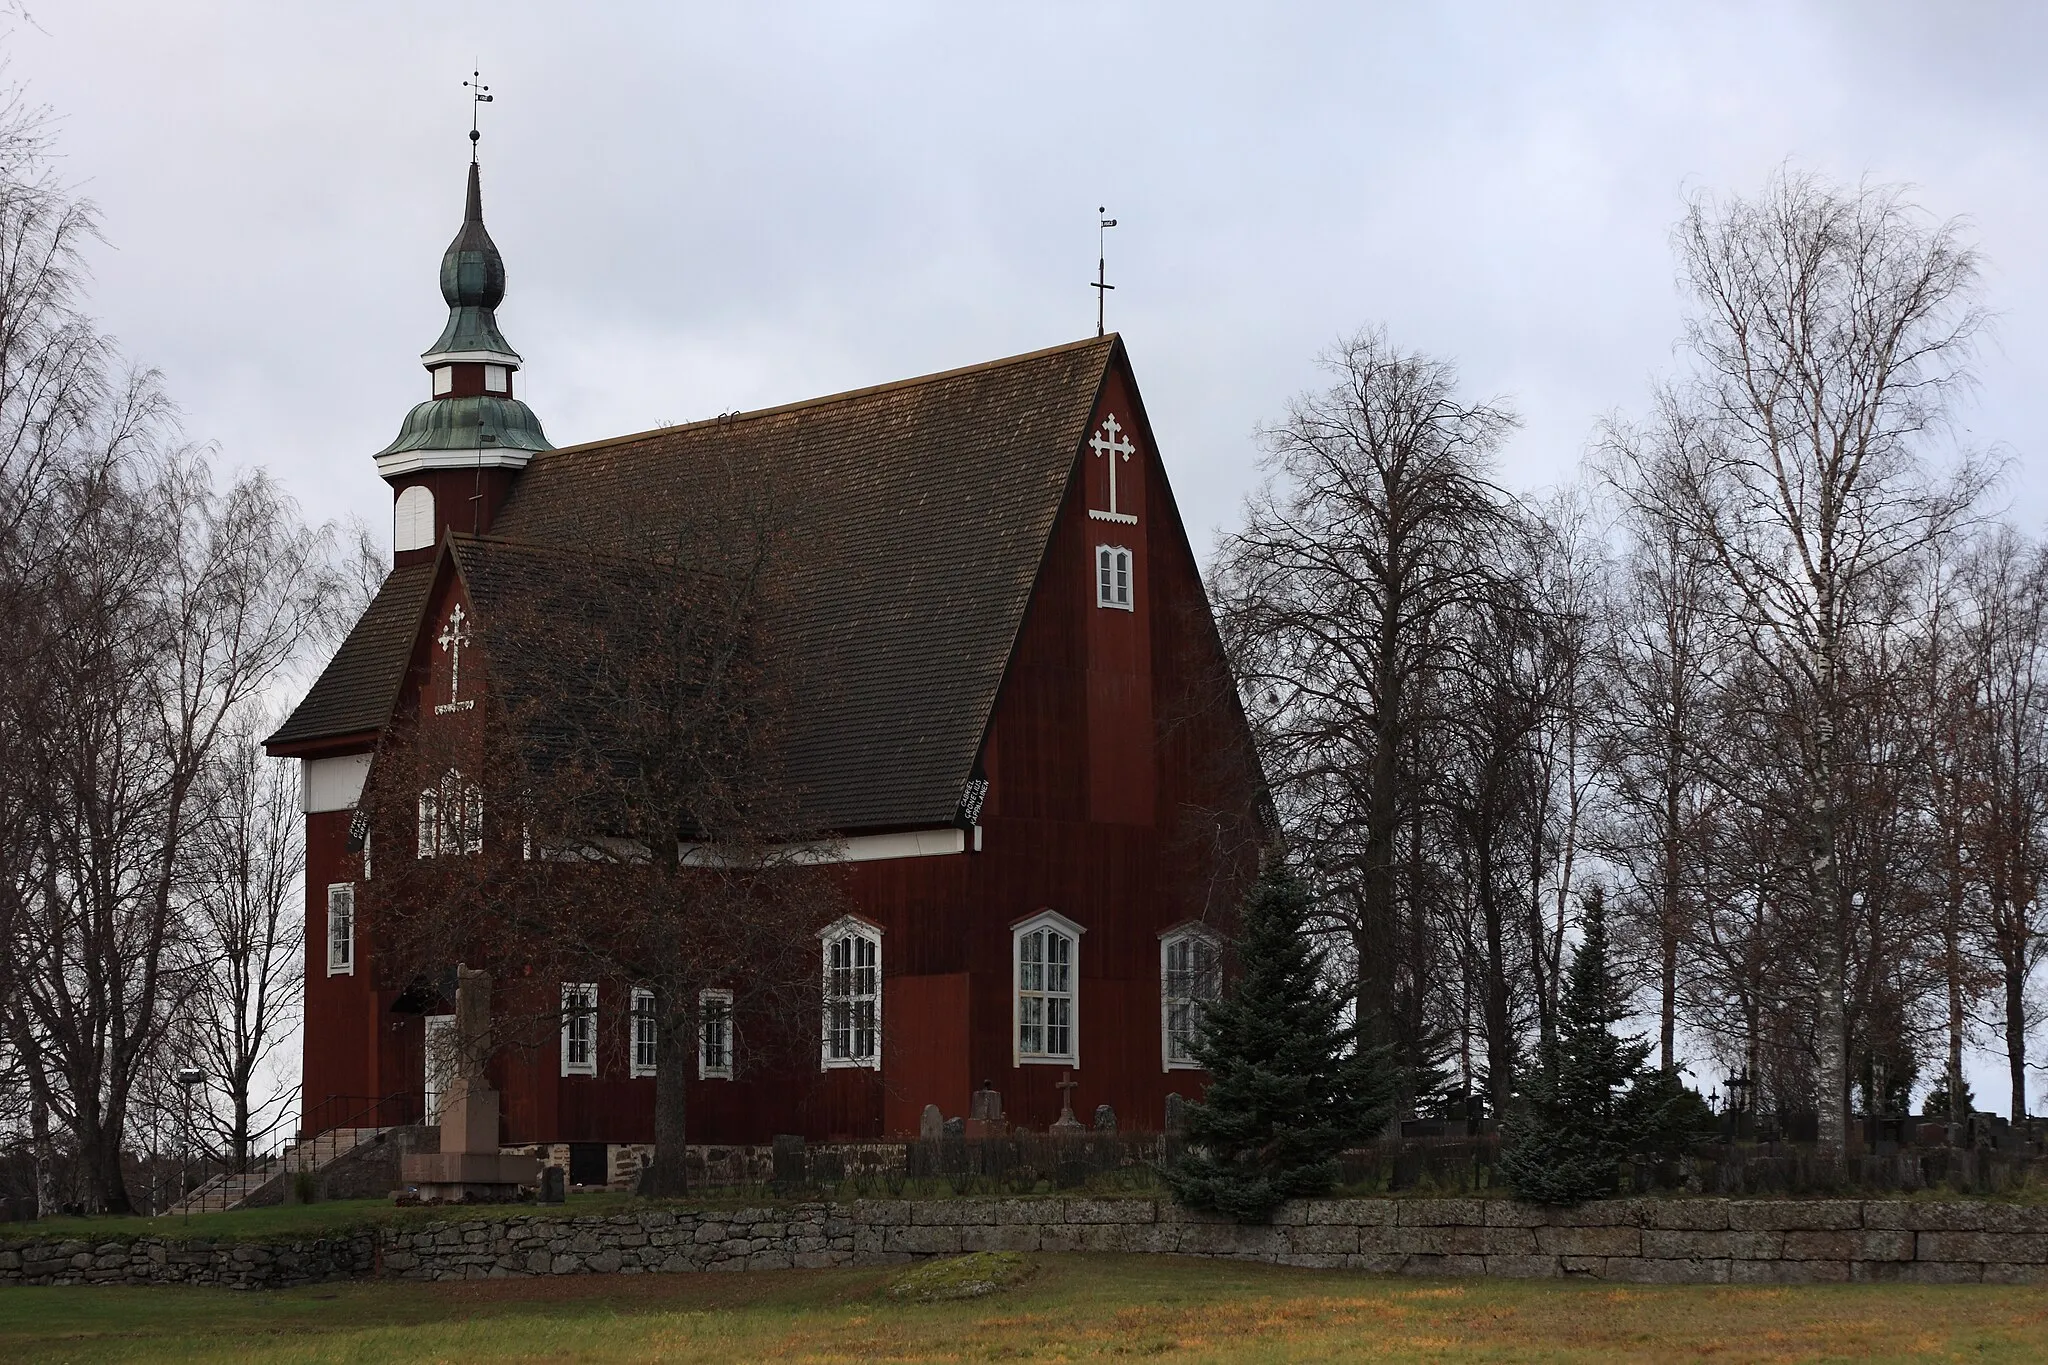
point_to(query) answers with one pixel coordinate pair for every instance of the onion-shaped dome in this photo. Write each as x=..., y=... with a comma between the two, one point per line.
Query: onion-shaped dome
x=478, y=423
x=473, y=283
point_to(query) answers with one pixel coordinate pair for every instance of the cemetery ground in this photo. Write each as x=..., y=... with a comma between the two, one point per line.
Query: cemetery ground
x=1068, y=1307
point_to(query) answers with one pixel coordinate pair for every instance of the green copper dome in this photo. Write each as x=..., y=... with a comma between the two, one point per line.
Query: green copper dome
x=473, y=283
x=481, y=423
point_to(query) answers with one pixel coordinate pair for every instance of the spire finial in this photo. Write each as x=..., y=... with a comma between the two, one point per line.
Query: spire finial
x=1102, y=285
x=479, y=94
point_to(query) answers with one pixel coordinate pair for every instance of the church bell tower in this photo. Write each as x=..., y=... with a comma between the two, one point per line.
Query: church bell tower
x=459, y=451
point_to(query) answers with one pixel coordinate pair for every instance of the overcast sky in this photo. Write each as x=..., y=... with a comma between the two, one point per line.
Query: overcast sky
x=714, y=207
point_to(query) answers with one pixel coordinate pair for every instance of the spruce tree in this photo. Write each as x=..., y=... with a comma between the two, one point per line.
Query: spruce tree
x=1579, y=1114
x=1287, y=1090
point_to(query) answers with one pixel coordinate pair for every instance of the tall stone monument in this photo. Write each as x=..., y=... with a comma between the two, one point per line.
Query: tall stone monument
x=469, y=1168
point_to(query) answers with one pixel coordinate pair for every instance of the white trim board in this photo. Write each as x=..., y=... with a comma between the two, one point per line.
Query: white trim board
x=867, y=848
x=332, y=783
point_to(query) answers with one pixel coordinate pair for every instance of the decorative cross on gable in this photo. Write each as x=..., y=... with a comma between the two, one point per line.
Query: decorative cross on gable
x=1109, y=444
x=453, y=637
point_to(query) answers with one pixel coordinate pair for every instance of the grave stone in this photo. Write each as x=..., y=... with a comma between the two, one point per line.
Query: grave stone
x=985, y=1117
x=955, y=1129
x=931, y=1125
x=790, y=1167
x=1176, y=1114
x=1105, y=1120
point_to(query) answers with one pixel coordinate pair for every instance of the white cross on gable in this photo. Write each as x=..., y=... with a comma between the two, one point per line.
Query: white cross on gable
x=453, y=637
x=1108, y=444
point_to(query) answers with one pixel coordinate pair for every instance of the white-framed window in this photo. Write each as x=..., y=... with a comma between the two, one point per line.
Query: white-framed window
x=412, y=519
x=579, y=1028
x=645, y=1038
x=714, y=1035
x=451, y=817
x=440, y=1063
x=1190, y=979
x=853, y=994
x=1046, y=961
x=1113, y=577
x=341, y=929
x=497, y=379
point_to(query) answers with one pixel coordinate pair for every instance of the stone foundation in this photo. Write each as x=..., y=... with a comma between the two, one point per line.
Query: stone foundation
x=1662, y=1241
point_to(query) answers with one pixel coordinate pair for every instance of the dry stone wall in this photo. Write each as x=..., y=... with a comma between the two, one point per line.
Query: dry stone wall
x=1644, y=1241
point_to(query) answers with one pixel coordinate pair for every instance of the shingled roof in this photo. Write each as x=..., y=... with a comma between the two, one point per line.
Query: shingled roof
x=916, y=516
x=353, y=694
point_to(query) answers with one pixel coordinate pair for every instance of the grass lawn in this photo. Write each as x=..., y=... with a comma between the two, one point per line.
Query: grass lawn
x=1072, y=1308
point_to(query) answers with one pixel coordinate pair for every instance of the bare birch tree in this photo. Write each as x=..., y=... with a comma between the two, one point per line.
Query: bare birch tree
x=1830, y=326
x=248, y=946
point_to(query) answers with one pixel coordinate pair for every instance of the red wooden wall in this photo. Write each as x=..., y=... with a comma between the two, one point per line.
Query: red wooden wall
x=1121, y=794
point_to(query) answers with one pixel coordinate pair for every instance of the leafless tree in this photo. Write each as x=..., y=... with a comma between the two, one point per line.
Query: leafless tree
x=1830, y=327
x=2006, y=644
x=1662, y=658
x=180, y=602
x=247, y=945
x=1336, y=600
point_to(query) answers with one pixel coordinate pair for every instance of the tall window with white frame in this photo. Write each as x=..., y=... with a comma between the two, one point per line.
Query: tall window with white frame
x=1190, y=979
x=1048, y=1020
x=853, y=994
x=341, y=929
x=1113, y=577
x=714, y=1036
x=579, y=1028
x=645, y=1039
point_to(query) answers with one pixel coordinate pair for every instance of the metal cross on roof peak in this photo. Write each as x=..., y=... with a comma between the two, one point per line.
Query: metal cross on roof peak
x=1102, y=285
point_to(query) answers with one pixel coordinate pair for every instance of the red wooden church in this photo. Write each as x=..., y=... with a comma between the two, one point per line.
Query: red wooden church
x=1041, y=783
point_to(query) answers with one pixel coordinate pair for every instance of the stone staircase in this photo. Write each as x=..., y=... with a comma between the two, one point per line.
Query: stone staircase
x=232, y=1190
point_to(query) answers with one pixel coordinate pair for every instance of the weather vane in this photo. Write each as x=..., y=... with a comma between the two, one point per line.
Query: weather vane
x=479, y=94
x=1102, y=286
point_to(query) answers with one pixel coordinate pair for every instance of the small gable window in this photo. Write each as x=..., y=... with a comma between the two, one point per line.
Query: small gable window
x=714, y=1036
x=412, y=525
x=1190, y=980
x=853, y=994
x=1047, y=1012
x=1113, y=577
x=579, y=1028
x=341, y=929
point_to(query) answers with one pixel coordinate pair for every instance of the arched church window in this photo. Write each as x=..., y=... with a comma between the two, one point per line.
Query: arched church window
x=451, y=817
x=1190, y=979
x=853, y=994
x=1047, y=961
x=1113, y=577
x=413, y=519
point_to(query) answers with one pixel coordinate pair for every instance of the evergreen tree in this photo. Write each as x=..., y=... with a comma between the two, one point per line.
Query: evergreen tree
x=1287, y=1088
x=1937, y=1103
x=1583, y=1109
